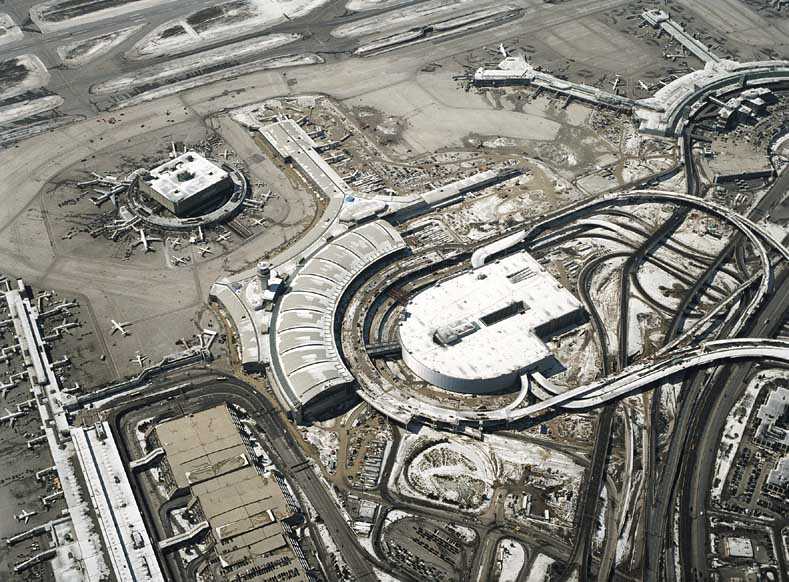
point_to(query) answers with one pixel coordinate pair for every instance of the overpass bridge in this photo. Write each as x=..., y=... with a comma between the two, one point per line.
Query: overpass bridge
x=184, y=538
x=641, y=375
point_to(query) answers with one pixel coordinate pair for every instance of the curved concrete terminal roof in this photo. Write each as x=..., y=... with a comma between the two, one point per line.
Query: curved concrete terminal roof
x=305, y=355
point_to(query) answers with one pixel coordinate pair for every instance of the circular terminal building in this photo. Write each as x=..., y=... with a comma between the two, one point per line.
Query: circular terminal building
x=478, y=332
x=188, y=191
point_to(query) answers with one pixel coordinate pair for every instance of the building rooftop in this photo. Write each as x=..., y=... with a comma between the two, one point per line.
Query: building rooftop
x=291, y=142
x=478, y=331
x=185, y=176
x=773, y=418
x=120, y=521
x=202, y=446
x=779, y=476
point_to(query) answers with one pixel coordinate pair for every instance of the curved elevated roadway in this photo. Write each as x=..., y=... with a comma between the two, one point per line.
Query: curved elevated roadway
x=637, y=377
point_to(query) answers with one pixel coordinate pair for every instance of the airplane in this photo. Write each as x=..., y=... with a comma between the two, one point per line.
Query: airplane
x=65, y=326
x=25, y=515
x=5, y=387
x=179, y=260
x=269, y=194
x=205, y=251
x=140, y=359
x=503, y=51
x=259, y=221
x=643, y=85
x=104, y=195
x=119, y=327
x=199, y=237
x=176, y=242
x=145, y=241
x=616, y=83
x=12, y=416
x=223, y=236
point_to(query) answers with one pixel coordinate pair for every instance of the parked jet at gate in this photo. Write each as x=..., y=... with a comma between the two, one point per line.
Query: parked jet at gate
x=145, y=241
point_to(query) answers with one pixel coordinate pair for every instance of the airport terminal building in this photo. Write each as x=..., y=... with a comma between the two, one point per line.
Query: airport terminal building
x=481, y=330
x=185, y=183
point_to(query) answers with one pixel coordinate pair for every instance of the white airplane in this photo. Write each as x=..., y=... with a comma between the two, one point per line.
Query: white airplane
x=223, y=236
x=25, y=515
x=260, y=221
x=65, y=326
x=616, y=83
x=5, y=387
x=120, y=327
x=175, y=243
x=179, y=260
x=643, y=85
x=205, y=251
x=199, y=237
x=12, y=416
x=503, y=51
x=140, y=359
x=145, y=241
x=269, y=194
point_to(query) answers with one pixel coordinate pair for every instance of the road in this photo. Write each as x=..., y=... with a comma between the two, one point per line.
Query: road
x=692, y=417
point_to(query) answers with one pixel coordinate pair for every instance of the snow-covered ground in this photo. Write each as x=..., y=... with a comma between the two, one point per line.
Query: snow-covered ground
x=599, y=535
x=538, y=571
x=656, y=282
x=517, y=453
x=512, y=556
x=78, y=53
x=221, y=21
x=363, y=5
x=175, y=68
x=38, y=13
x=9, y=31
x=384, y=577
x=26, y=109
x=37, y=76
x=638, y=313
x=394, y=516
x=453, y=473
x=228, y=73
x=326, y=442
x=431, y=11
